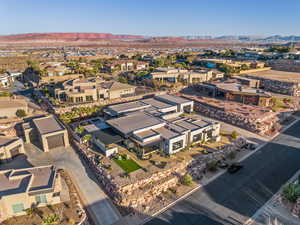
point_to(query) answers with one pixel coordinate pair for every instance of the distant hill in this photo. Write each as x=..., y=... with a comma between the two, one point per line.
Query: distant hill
x=86, y=37
x=68, y=37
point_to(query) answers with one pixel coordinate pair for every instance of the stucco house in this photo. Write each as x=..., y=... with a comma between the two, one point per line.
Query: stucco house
x=21, y=189
x=46, y=132
x=10, y=147
x=158, y=123
x=90, y=90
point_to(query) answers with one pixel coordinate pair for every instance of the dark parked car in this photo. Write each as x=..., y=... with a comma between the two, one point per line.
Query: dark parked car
x=249, y=146
x=222, y=164
x=235, y=167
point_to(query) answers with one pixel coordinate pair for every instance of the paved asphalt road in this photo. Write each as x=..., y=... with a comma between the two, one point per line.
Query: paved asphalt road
x=233, y=198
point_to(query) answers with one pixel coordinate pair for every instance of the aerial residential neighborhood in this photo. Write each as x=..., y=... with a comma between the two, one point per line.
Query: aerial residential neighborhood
x=168, y=113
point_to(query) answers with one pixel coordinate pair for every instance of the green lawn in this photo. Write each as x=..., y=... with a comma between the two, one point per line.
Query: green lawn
x=127, y=165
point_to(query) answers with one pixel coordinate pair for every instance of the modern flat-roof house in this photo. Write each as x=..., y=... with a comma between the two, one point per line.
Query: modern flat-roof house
x=147, y=133
x=175, y=75
x=10, y=147
x=287, y=83
x=232, y=90
x=46, y=132
x=21, y=189
x=157, y=123
x=158, y=105
x=90, y=90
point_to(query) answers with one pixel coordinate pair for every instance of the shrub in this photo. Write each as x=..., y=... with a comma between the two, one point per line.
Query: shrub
x=20, y=113
x=87, y=137
x=29, y=211
x=231, y=155
x=79, y=129
x=50, y=220
x=173, y=190
x=187, y=180
x=291, y=192
x=234, y=135
x=212, y=166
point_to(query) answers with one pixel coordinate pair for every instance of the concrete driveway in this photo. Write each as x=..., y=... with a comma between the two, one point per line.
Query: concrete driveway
x=96, y=202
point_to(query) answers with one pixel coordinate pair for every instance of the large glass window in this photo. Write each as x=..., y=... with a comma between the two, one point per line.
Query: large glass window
x=89, y=98
x=177, y=145
x=41, y=199
x=18, y=208
x=197, y=137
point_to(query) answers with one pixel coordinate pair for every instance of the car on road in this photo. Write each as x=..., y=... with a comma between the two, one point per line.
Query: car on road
x=249, y=146
x=235, y=167
x=221, y=164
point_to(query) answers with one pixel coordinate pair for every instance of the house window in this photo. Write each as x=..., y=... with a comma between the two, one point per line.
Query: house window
x=177, y=145
x=79, y=99
x=56, y=194
x=89, y=98
x=197, y=137
x=41, y=199
x=18, y=208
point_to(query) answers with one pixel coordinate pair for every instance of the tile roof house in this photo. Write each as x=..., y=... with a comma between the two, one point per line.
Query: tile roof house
x=90, y=90
x=21, y=189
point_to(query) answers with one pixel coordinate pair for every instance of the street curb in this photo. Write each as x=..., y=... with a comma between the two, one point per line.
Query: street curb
x=252, y=219
x=216, y=176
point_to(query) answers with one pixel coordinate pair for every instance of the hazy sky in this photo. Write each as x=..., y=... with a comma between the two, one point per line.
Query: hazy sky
x=156, y=17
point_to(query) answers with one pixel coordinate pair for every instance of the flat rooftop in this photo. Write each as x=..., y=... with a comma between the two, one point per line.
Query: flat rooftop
x=166, y=133
x=201, y=123
x=26, y=180
x=173, y=99
x=187, y=125
x=278, y=75
x=146, y=134
x=107, y=136
x=156, y=103
x=6, y=140
x=236, y=87
x=47, y=125
x=133, y=122
x=129, y=106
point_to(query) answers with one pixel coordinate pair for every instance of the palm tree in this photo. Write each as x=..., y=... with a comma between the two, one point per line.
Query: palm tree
x=51, y=220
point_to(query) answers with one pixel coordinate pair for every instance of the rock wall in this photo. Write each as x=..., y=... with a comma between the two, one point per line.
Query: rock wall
x=199, y=165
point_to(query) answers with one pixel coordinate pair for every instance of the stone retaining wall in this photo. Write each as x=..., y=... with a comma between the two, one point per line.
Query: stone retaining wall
x=199, y=165
x=146, y=190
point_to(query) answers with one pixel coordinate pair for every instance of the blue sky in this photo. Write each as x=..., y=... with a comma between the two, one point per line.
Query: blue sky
x=155, y=17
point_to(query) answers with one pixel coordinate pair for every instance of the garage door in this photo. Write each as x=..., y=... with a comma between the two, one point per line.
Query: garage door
x=15, y=151
x=55, y=141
